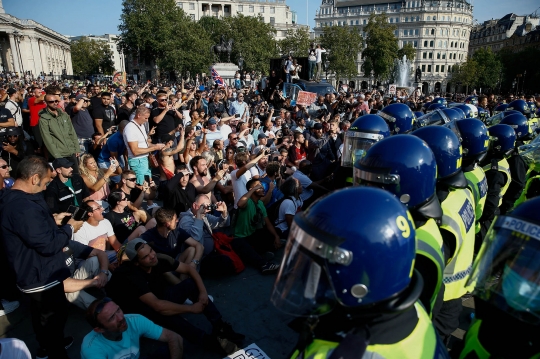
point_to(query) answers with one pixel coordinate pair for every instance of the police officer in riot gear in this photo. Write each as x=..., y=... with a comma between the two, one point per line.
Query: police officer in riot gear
x=399, y=118
x=331, y=273
x=518, y=167
x=457, y=225
x=497, y=170
x=507, y=294
x=410, y=174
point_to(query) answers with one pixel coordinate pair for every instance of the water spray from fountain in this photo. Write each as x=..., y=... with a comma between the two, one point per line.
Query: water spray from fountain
x=402, y=74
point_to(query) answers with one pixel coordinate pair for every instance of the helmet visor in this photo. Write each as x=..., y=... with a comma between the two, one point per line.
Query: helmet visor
x=434, y=118
x=355, y=146
x=303, y=286
x=511, y=250
x=530, y=153
x=495, y=120
x=452, y=125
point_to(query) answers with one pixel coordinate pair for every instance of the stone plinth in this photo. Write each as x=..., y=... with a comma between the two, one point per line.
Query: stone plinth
x=226, y=71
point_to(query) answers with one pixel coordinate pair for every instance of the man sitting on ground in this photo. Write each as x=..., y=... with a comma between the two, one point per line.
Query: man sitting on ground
x=116, y=335
x=200, y=180
x=168, y=238
x=139, y=287
x=136, y=193
x=166, y=155
x=180, y=193
x=66, y=189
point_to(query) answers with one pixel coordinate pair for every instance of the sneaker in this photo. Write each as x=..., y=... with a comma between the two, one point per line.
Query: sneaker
x=220, y=345
x=268, y=256
x=42, y=353
x=225, y=330
x=8, y=306
x=152, y=206
x=228, y=346
x=269, y=268
x=189, y=302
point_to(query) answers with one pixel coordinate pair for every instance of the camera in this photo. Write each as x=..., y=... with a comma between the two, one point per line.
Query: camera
x=212, y=207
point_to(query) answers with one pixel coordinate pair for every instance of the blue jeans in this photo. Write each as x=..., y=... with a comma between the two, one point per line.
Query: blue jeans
x=107, y=164
x=311, y=69
x=288, y=77
x=140, y=167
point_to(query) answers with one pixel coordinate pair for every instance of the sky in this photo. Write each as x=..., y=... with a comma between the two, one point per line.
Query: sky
x=98, y=17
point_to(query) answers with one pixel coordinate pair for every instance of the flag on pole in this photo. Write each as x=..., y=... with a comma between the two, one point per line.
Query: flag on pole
x=217, y=79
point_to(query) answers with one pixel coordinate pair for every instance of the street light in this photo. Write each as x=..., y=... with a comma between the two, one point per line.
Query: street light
x=514, y=86
x=326, y=67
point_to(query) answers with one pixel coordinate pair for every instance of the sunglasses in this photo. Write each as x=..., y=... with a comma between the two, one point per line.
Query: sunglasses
x=162, y=99
x=131, y=179
x=55, y=101
x=97, y=208
x=4, y=167
x=100, y=306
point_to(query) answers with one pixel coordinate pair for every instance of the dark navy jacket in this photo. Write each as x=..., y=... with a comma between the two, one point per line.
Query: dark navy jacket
x=33, y=242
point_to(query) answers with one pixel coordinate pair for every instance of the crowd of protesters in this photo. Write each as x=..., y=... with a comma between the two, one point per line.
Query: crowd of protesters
x=86, y=167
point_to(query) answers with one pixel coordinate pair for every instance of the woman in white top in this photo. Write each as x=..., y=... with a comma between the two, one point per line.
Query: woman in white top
x=295, y=70
x=292, y=203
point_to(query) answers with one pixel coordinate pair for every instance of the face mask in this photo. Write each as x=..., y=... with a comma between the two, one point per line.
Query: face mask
x=520, y=293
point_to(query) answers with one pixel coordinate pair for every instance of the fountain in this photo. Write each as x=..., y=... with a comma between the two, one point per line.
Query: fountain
x=402, y=74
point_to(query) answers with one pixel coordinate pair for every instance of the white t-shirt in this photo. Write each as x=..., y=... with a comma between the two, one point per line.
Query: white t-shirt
x=212, y=136
x=257, y=171
x=287, y=207
x=318, y=53
x=225, y=130
x=14, y=349
x=135, y=133
x=239, y=185
x=15, y=111
x=95, y=237
x=305, y=182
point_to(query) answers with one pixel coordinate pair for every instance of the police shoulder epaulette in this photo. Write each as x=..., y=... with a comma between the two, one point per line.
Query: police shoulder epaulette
x=494, y=164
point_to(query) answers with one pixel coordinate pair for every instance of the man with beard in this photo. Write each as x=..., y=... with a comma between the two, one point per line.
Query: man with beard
x=15, y=148
x=66, y=189
x=320, y=152
x=115, y=334
x=200, y=177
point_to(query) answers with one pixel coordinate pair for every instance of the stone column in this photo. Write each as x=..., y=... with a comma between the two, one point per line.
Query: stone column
x=38, y=62
x=14, y=53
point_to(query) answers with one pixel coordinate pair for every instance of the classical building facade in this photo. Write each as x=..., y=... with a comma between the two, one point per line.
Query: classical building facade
x=438, y=30
x=112, y=42
x=275, y=12
x=508, y=31
x=29, y=47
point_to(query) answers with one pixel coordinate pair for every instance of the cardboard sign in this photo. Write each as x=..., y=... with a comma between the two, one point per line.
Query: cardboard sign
x=252, y=351
x=392, y=89
x=306, y=98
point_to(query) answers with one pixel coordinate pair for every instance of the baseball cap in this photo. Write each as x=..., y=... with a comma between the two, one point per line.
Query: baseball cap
x=212, y=121
x=132, y=248
x=262, y=135
x=317, y=126
x=256, y=120
x=72, y=96
x=62, y=162
x=118, y=90
x=80, y=97
x=166, y=138
x=11, y=91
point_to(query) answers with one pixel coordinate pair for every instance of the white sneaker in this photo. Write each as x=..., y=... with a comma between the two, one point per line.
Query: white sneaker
x=152, y=206
x=8, y=307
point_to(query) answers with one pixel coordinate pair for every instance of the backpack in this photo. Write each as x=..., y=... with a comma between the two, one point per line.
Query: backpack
x=273, y=211
x=222, y=244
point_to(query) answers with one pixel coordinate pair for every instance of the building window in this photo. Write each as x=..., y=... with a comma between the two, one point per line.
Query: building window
x=396, y=33
x=431, y=55
x=444, y=55
x=180, y=5
x=261, y=9
x=357, y=22
x=449, y=68
x=272, y=9
x=391, y=20
x=397, y=19
x=418, y=18
x=428, y=68
x=431, y=43
x=432, y=31
x=440, y=43
x=407, y=19
x=272, y=20
x=437, y=68
x=364, y=21
x=434, y=18
x=424, y=55
x=240, y=8
x=428, y=18
x=192, y=6
x=192, y=16
x=423, y=68
x=251, y=8
x=438, y=55
x=416, y=44
x=416, y=32
x=425, y=43
x=426, y=32
x=442, y=68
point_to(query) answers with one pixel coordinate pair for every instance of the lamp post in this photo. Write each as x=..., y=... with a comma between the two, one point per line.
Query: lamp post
x=514, y=86
x=326, y=67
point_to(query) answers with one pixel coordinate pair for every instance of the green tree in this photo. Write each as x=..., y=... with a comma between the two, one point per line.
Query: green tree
x=160, y=31
x=465, y=74
x=90, y=56
x=214, y=27
x=343, y=44
x=381, y=47
x=253, y=39
x=407, y=50
x=489, y=68
x=520, y=67
x=296, y=42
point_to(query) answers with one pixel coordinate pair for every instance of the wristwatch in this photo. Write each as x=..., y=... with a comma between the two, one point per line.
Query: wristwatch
x=106, y=272
x=196, y=261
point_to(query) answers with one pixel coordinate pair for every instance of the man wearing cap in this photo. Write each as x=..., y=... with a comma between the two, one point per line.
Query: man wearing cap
x=315, y=108
x=66, y=189
x=58, y=133
x=117, y=98
x=212, y=132
x=138, y=287
x=104, y=114
x=12, y=104
x=15, y=148
x=6, y=118
x=82, y=122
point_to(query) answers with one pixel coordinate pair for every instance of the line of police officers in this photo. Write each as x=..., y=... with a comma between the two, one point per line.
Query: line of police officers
x=380, y=269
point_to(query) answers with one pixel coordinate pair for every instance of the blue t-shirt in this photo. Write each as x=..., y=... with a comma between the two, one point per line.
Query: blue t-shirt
x=114, y=144
x=276, y=193
x=95, y=345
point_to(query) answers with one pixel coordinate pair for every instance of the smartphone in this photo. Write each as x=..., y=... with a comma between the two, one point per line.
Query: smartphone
x=237, y=115
x=76, y=213
x=147, y=178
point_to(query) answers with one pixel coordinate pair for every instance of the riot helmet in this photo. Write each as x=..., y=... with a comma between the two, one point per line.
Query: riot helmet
x=399, y=118
x=362, y=134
